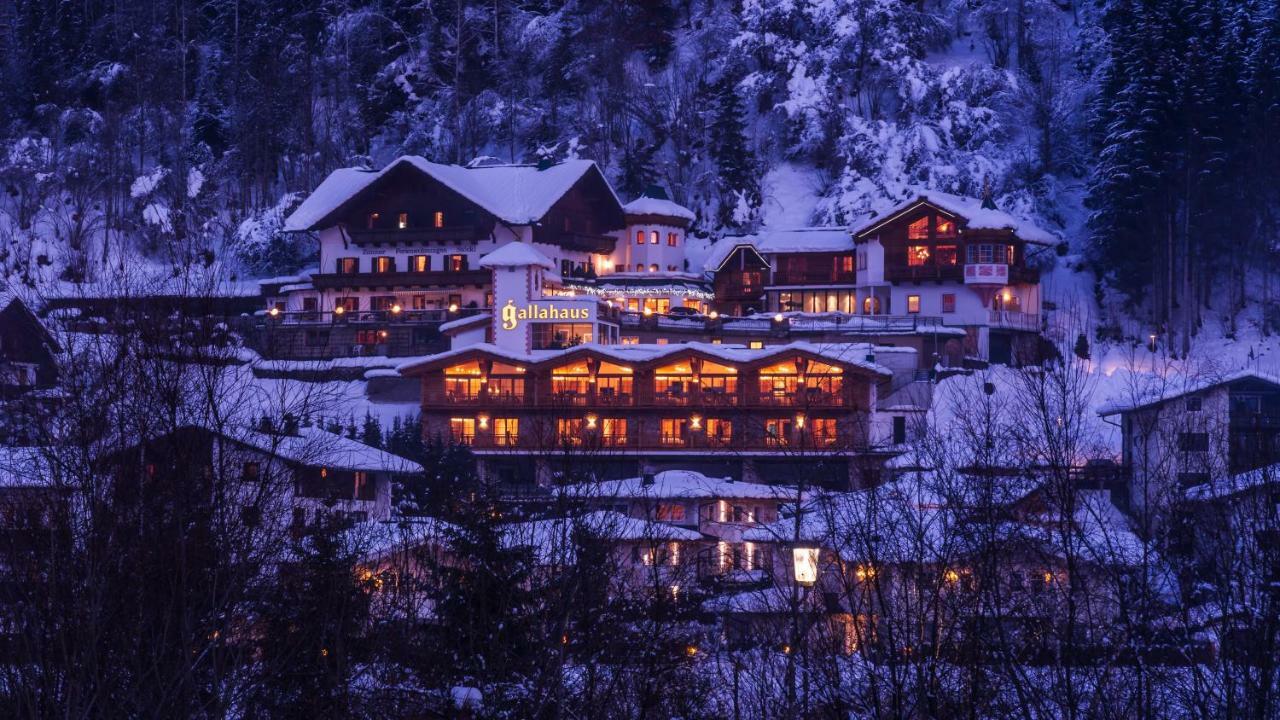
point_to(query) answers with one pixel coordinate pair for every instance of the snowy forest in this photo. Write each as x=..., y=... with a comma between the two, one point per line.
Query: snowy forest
x=1145, y=132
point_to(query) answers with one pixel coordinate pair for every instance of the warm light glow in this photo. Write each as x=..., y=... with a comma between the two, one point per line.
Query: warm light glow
x=695, y=422
x=1048, y=577
x=483, y=421
x=714, y=315
x=777, y=318
x=395, y=309
x=691, y=650
x=1006, y=296
x=951, y=577
x=273, y=311
x=800, y=420
x=865, y=572
x=339, y=310
x=648, y=312
x=805, y=564
x=382, y=333
x=591, y=420
x=453, y=307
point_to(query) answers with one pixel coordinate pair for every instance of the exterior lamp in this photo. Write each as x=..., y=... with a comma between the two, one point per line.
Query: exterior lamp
x=483, y=421
x=648, y=312
x=1151, y=342
x=591, y=420
x=274, y=311
x=339, y=309
x=804, y=564
x=695, y=422
x=395, y=309
x=453, y=307
x=713, y=315
x=800, y=420
x=777, y=318
x=382, y=333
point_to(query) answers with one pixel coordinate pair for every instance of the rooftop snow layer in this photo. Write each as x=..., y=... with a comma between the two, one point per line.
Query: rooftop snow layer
x=516, y=254
x=658, y=206
x=315, y=447
x=516, y=194
x=975, y=216
x=1175, y=390
x=766, y=242
x=679, y=484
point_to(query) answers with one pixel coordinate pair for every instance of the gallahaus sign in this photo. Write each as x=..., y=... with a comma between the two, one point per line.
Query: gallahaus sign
x=512, y=315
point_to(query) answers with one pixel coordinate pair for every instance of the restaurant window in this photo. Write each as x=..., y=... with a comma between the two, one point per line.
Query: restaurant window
x=672, y=239
x=673, y=384
x=719, y=430
x=462, y=431
x=384, y=264
x=569, y=431
x=348, y=266
x=438, y=220
x=630, y=340
x=506, y=383
x=653, y=237
x=570, y=383
x=614, y=432
x=917, y=255
x=779, y=383
x=675, y=431
x=639, y=237
x=403, y=221
x=719, y=383
x=310, y=304
x=614, y=384
x=419, y=263
x=669, y=512
x=946, y=255
x=462, y=383
x=457, y=263
x=823, y=431
x=557, y=336
x=506, y=431
x=1008, y=254
x=948, y=302
x=913, y=304
x=777, y=431
x=372, y=220
x=418, y=302
x=918, y=230
x=756, y=344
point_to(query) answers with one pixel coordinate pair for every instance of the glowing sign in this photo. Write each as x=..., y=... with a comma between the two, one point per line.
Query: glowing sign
x=512, y=315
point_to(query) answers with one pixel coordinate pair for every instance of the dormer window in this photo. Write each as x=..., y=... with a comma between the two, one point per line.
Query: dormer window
x=438, y=220
x=373, y=220
x=403, y=221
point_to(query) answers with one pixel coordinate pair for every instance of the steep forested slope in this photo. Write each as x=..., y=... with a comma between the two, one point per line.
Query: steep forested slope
x=162, y=127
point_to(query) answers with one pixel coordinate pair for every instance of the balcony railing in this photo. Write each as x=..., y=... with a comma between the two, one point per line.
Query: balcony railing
x=459, y=233
x=894, y=273
x=814, y=277
x=431, y=278
x=329, y=317
x=1014, y=320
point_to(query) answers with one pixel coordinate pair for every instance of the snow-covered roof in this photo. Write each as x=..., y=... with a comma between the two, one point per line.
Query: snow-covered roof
x=552, y=539
x=516, y=194
x=516, y=254
x=645, y=205
x=1186, y=386
x=1235, y=484
x=769, y=600
x=315, y=447
x=969, y=209
x=680, y=484
x=771, y=242
x=465, y=322
x=849, y=354
x=379, y=540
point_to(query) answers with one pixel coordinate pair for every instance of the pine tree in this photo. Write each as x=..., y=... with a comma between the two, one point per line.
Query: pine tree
x=371, y=431
x=739, y=181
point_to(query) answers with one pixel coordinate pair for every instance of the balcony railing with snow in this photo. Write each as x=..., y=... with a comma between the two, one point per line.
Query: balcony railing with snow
x=1015, y=320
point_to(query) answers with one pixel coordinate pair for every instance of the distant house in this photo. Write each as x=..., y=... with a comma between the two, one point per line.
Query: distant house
x=291, y=475
x=28, y=352
x=1203, y=431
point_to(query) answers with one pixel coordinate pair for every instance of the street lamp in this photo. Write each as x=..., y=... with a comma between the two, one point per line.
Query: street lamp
x=804, y=564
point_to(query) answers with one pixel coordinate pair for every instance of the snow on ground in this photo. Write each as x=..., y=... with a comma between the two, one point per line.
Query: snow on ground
x=791, y=193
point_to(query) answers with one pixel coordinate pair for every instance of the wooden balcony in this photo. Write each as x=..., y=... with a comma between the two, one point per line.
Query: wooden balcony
x=813, y=277
x=919, y=273
x=434, y=278
x=456, y=234
x=735, y=289
x=584, y=242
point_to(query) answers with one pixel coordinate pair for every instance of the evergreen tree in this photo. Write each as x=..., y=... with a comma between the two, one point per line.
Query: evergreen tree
x=371, y=431
x=739, y=179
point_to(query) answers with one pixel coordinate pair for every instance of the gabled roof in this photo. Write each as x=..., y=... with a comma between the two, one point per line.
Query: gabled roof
x=724, y=248
x=968, y=212
x=319, y=448
x=1173, y=390
x=15, y=308
x=516, y=254
x=679, y=484
x=515, y=194
x=772, y=242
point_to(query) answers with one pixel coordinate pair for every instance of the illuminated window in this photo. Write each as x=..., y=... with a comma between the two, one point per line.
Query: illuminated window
x=653, y=237
x=462, y=383
x=457, y=263
x=384, y=264
x=639, y=237
x=675, y=431
x=462, y=430
x=438, y=220
x=918, y=230
x=846, y=263
x=569, y=431
x=373, y=220
x=614, y=432
x=756, y=344
x=917, y=255
x=348, y=266
x=913, y=303
x=871, y=305
x=946, y=255
x=719, y=431
x=403, y=221
x=672, y=239
x=630, y=340
x=506, y=431
x=419, y=263
x=777, y=431
x=945, y=229
x=669, y=512
x=653, y=267
x=823, y=431
x=948, y=302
